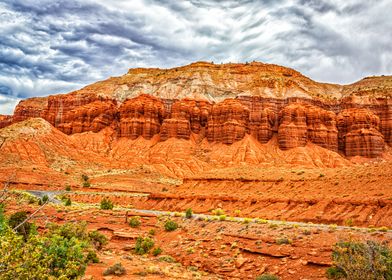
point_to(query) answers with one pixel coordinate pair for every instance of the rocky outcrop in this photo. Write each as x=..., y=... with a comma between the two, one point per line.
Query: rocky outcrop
x=187, y=116
x=94, y=117
x=5, y=120
x=322, y=130
x=261, y=124
x=31, y=108
x=359, y=133
x=228, y=122
x=293, y=131
x=300, y=124
x=141, y=116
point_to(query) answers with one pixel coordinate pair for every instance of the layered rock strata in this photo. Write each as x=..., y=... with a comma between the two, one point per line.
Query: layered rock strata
x=224, y=103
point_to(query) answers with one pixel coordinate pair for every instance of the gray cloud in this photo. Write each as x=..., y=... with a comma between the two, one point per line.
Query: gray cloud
x=53, y=46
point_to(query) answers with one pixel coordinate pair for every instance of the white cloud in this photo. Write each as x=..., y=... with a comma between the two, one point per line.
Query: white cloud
x=7, y=104
x=51, y=46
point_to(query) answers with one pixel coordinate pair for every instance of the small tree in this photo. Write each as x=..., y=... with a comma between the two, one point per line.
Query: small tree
x=188, y=213
x=361, y=261
x=18, y=218
x=68, y=201
x=106, y=204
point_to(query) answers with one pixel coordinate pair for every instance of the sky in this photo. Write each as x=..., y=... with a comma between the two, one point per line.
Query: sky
x=55, y=46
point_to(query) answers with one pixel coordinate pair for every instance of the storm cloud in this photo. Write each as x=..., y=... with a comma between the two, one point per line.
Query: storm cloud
x=52, y=46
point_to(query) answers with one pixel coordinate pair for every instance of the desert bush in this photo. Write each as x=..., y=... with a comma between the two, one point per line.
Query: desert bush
x=97, y=239
x=92, y=257
x=167, y=258
x=68, y=201
x=157, y=251
x=68, y=188
x=106, y=204
x=151, y=232
x=267, y=277
x=86, y=181
x=222, y=217
x=143, y=245
x=69, y=230
x=170, y=225
x=116, y=269
x=135, y=222
x=188, y=213
x=218, y=212
x=361, y=261
x=283, y=240
x=247, y=220
x=349, y=222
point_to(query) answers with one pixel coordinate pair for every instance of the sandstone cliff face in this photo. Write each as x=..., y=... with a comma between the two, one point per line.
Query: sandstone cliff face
x=262, y=123
x=186, y=117
x=94, y=117
x=141, y=116
x=225, y=103
x=228, y=122
x=359, y=133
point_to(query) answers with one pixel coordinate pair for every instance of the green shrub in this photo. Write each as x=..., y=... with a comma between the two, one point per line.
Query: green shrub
x=135, y=222
x=335, y=273
x=68, y=188
x=143, y=245
x=167, y=258
x=267, y=277
x=361, y=261
x=86, y=184
x=116, y=269
x=170, y=225
x=92, y=257
x=45, y=198
x=62, y=253
x=97, y=239
x=222, y=217
x=218, y=212
x=157, y=251
x=349, y=222
x=151, y=232
x=283, y=240
x=106, y=204
x=68, y=202
x=188, y=213
x=3, y=222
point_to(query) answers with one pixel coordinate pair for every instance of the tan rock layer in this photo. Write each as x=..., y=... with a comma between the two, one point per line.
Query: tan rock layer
x=352, y=129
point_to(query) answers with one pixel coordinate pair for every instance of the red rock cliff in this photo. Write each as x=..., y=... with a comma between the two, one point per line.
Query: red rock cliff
x=224, y=103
